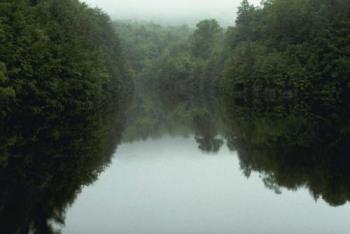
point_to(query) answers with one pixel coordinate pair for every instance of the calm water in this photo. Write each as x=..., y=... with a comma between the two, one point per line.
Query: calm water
x=168, y=185
x=179, y=166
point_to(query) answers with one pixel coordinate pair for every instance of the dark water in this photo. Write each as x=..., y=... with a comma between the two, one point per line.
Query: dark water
x=194, y=165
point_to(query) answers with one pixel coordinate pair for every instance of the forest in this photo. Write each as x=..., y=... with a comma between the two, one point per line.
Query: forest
x=281, y=50
x=61, y=63
x=290, y=50
x=74, y=84
x=58, y=56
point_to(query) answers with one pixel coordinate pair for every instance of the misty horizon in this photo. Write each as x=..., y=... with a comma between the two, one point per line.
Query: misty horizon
x=170, y=12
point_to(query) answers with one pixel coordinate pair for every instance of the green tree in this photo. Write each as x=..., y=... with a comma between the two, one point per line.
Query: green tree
x=205, y=37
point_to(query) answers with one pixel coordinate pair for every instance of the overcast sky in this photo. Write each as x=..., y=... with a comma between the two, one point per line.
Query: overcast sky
x=170, y=11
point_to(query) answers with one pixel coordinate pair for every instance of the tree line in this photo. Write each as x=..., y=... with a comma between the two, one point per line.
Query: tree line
x=279, y=50
x=63, y=56
x=57, y=57
x=60, y=63
x=175, y=60
x=290, y=49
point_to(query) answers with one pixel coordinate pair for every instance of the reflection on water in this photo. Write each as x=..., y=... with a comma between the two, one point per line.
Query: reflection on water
x=185, y=165
x=44, y=165
x=295, y=146
x=168, y=185
x=292, y=145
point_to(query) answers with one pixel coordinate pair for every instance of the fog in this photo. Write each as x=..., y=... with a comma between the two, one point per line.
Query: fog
x=170, y=11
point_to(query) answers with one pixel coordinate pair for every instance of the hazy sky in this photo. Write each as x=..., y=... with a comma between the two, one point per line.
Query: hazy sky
x=170, y=11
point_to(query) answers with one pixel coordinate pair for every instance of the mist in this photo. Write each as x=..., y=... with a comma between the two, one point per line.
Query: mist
x=170, y=11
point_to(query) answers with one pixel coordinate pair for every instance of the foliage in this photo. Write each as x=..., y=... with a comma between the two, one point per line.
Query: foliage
x=174, y=59
x=57, y=56
x=296, y=49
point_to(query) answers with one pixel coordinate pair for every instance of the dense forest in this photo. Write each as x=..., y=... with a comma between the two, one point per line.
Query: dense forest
x=176, y=59
x=64, y=88
x=66, y=59
x=277, y=51
x=277, y=81
x=61, y=63
x=59, y=56
x=290, y=49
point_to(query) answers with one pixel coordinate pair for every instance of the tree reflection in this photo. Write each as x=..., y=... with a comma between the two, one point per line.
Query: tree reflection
x=206, y=133
x=44, y=165
x=293, y=146
x=155, y=114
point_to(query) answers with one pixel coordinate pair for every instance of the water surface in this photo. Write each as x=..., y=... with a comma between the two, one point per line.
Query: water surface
x=168, y=185
x=180, y=166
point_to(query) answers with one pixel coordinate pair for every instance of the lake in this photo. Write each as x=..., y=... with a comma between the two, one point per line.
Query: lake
x=168, y=185
x=189, y=166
